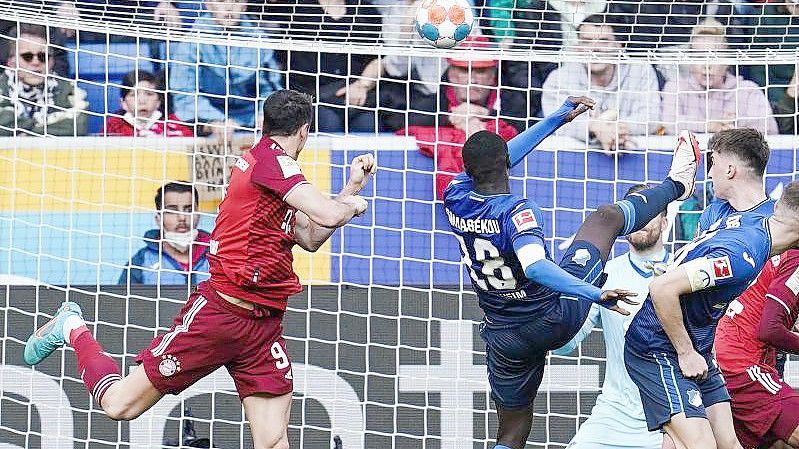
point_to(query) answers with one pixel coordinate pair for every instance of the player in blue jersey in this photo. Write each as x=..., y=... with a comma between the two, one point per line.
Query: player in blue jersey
x=617, y=420
x=531, y=304
x=669, y=343
x=737, y=160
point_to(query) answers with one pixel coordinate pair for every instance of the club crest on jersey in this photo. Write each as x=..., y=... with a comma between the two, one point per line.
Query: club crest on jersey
x=524, y=220
x=581, y=257
x=694, y=398
x=722, y=269
x=288, y=166
x=169, y=365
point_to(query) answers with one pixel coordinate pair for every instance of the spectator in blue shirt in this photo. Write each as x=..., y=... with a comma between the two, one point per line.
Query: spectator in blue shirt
x=176, y=251
x=222, y=87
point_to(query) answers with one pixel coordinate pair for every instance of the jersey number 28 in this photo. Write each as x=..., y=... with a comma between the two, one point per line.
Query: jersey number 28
x=492, y=269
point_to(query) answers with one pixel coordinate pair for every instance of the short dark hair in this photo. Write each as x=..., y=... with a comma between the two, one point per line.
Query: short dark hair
x=748, y=144
x=28, y=29
x=286, y=111
x=790, y=196
x=134, y=77
x=178, y=187
x=616, y=24
x=637, y=188
x=485, y=156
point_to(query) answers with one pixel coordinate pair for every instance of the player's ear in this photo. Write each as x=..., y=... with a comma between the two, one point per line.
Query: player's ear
x=158, y=219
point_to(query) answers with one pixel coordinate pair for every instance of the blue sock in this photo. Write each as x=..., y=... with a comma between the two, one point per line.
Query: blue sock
x=641, y=207
x=500, y=446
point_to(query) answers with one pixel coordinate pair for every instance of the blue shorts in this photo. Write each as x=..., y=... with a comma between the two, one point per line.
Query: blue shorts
x=516, y=353
x=664, y=390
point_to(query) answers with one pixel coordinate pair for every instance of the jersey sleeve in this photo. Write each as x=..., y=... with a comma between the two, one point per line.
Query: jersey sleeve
x=784, y=287
x=525, y=219
x=277, y=173
x=705, y=220
x=724, y=265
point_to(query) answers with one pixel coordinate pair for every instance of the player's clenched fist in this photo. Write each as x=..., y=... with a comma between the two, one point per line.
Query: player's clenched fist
x=693, y=365
x=361, y=168
x=358, y=203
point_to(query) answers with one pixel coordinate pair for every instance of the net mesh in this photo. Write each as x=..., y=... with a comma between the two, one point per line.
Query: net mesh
x=384, y=338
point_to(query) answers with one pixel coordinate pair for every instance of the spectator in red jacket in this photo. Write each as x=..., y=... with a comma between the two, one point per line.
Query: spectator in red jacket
x=142, y=112
x=468, y=103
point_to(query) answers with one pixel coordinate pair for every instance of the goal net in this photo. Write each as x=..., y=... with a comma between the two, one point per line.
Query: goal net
x=102, y=103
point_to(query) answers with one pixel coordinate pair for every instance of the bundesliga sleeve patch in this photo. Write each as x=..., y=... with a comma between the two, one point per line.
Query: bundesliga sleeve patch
x=524, y=220
x=288, y=166
x=703, y=272
x=793, y=282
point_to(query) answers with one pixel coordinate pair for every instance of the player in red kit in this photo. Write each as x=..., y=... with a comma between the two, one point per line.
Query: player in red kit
x=757, y=325
x=234, y=319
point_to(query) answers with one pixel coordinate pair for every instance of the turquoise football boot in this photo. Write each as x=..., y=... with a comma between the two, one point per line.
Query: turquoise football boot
x=50, y=336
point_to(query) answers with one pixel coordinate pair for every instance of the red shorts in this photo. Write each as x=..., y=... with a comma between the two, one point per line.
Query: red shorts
x=211, y=332
x=764, y=407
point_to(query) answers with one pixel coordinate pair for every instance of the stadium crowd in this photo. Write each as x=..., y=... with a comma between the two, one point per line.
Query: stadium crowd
x=212, y=89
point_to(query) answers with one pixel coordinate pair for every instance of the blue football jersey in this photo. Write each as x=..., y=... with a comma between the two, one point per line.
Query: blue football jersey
x=733, y=250
x=486, y=227
x=721, y=209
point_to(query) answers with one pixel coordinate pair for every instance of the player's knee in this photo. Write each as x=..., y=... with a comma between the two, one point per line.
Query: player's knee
x=610, y=215
x=120, y=410
x=703, y=442
x=281, y=442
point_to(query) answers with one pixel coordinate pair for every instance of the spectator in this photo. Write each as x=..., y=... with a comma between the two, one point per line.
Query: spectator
x=785, y=108
x=346, y=82
x=222, y=88
x=32, y=100
x=142, y=112
x=777, y=28
x=468, y=103
x=711, y=98
x=627, y=96
x=659, y=25
x=543, y=24
x=175, y=252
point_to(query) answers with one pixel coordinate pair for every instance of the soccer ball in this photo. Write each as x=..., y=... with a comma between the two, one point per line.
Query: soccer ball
x=444, y=23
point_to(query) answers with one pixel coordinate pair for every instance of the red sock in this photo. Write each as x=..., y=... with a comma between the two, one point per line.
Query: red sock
x=97, y=370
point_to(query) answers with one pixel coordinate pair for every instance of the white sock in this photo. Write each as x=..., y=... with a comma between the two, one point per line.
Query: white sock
x=70, y=324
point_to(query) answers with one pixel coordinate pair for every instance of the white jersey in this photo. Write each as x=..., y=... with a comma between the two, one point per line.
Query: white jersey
x=617, y=419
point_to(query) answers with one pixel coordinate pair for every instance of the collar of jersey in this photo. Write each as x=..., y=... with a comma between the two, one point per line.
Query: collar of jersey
x=641, y=271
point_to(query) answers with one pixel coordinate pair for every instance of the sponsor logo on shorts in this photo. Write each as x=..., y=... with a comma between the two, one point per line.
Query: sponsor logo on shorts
x=581, y=257
x=524, y=220
x=694, y=398
x=169, y=365
x=722, y=269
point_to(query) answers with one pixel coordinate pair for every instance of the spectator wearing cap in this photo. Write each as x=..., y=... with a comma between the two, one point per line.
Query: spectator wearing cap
x=468, y=102
x=627, y=95
x=142, y=112
x=709, y=98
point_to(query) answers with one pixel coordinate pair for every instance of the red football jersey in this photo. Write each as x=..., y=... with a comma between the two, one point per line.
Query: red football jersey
x=737, y=346
x=250, y=253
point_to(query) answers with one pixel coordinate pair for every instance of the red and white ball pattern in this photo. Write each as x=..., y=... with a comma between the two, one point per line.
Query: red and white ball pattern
x=444, y=23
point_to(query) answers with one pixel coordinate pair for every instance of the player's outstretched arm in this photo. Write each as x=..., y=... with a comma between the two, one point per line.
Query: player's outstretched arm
x=532, y=256
x=520, y=146
x=309, y=233
x=780, y=309
x=665, y=291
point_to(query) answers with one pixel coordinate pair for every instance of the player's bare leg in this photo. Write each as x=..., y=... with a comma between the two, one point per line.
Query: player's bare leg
x=720, y=416
x=269, y=419
x=783, y=445
x=130, y=397
x=121, y=398
x=690, y=433
x=602, y=227
x=668, y=443
x=514, y=426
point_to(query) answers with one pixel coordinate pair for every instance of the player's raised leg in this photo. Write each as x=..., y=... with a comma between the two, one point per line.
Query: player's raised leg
x=602, y=227
x=121, y=398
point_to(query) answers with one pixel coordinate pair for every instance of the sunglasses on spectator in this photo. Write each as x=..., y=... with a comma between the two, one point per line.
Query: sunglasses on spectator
x=28, y=56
